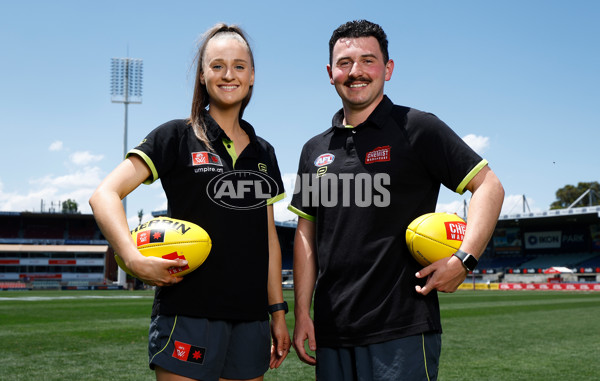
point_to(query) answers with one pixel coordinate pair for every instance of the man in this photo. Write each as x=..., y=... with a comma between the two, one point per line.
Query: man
x=360, y=183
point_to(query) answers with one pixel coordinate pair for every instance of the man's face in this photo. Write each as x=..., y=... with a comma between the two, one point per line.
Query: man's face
x=358, y=72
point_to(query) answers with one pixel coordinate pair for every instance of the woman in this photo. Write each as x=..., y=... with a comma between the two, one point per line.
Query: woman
x=213, y=323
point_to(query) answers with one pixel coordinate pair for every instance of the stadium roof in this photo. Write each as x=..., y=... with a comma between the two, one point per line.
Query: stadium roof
x=554, y=213
x=558, y=218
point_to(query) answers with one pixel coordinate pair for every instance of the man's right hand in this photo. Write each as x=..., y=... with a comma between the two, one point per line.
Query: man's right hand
x=305, y=330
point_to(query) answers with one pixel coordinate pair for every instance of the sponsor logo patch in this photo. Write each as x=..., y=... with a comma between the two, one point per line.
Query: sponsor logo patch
x=379, y=154
x=150, y=236
x=324, y=159
x=189, y=353
x=205, y=158
x=321, y=171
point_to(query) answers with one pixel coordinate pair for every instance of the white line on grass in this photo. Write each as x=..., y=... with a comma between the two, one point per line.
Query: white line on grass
x=38, y=298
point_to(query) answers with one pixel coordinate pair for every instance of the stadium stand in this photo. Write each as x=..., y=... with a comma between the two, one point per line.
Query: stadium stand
x=45, y=229
x=526, y=246
x=13, y=286
x=500, y=263
x=569, y=260
x=286, y=232
x=45, y=285
x=9, y=229
x=51, y=251
x=55, y=250
x=593, y=262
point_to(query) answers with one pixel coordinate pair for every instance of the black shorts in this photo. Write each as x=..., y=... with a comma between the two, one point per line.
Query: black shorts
x=413, y=358
x=208, y=349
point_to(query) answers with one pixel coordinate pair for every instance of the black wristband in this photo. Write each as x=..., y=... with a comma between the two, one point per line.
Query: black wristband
x=278, y=307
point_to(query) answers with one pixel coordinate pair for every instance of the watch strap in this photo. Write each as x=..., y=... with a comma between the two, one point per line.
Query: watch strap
x=469, y=262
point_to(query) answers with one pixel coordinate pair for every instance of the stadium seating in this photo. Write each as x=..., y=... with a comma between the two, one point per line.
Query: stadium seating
x=13, y=286
x=566, y=260
x=9, y=229
x=83, y=231
x=45, y=229
x=502, y=262
x=591, y=262
x=45, y=285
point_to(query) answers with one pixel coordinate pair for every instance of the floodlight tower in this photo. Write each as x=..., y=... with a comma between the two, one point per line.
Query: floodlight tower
x=126, y=88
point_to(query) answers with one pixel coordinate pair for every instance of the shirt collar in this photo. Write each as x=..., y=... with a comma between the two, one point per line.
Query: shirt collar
x=377, y=118
x=216, y=133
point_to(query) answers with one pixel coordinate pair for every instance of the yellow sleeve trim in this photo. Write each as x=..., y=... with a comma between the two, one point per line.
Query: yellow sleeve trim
x=148, y=162
x=301, y=213
x=461, y=187
x=273, y=200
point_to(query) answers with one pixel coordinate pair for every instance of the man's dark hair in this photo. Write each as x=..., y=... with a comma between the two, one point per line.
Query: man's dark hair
x=356, y=29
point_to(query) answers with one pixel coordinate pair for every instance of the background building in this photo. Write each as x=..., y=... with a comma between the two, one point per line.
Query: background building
x=52, y=250
x=67, y=250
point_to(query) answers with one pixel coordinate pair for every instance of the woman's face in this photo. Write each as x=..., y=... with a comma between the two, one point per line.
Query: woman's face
x=227, y=71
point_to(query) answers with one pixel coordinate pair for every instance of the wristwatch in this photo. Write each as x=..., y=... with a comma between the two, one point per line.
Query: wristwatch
x=278, y=307
x=469, y=262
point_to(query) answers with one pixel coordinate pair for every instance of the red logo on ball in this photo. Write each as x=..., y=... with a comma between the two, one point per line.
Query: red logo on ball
x=455, y=230
x=173, y=256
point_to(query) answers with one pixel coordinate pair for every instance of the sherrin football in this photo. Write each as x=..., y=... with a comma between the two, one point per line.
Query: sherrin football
x=434, y=236
x=170, y=238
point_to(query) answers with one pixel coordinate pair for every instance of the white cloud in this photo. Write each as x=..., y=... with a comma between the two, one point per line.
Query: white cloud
x=17, y=201
x=82, y=158
x=280, y=208
x=456, y=207
x=88, y=177
x=50, y=191
x=282, y=214
x=479, y=144
x=517, y=203
x=56, y=146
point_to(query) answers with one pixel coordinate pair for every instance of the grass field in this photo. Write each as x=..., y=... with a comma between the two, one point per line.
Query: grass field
x=488, y=335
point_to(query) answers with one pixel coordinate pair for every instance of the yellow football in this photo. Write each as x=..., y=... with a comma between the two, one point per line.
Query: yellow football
x=170, y=238
x=434, y=236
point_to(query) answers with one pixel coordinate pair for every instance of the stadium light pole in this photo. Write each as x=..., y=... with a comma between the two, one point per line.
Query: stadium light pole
x=126, y=88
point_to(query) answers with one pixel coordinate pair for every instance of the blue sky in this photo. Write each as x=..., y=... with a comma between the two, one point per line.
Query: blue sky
x=520, y=80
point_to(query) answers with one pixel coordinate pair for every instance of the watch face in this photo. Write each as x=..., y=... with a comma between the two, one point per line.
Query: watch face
x=470, y=262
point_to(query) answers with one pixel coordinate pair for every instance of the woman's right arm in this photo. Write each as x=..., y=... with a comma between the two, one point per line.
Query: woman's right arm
x=112, y=221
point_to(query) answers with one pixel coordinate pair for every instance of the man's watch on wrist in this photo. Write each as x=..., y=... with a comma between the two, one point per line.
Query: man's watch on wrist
x=278, y=307
x=469, y=262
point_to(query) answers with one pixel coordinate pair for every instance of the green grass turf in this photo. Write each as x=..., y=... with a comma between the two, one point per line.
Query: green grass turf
x=488, y=335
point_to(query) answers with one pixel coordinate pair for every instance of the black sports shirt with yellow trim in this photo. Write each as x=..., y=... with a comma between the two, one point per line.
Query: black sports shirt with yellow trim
x=362, y=186
x=227, y=196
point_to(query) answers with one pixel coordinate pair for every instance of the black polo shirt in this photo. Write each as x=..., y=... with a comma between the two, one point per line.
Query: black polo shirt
x=201, y=187
x=362, y=186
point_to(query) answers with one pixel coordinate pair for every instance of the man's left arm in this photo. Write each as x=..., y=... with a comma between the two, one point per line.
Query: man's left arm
x=484, y=208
